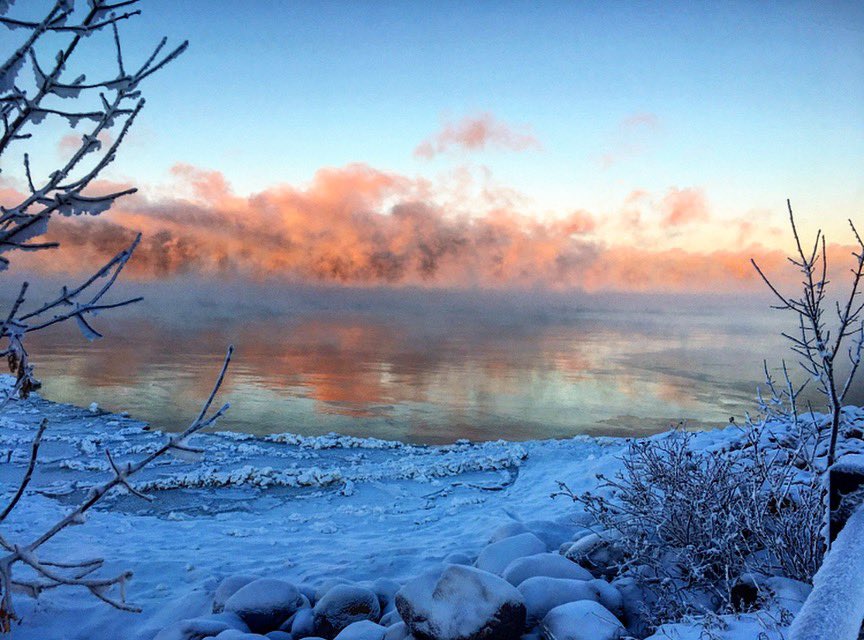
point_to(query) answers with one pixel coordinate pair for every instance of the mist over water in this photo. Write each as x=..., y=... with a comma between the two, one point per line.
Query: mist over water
x=420, y=365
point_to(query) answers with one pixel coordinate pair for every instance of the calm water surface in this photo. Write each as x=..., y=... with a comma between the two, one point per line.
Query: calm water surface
x=423, y=367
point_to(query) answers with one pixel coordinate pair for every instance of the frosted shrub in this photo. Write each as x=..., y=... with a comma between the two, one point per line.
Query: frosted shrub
x=692, y=522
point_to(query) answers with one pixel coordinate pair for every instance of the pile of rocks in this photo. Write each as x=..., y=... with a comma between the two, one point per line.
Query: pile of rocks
x=532, y=581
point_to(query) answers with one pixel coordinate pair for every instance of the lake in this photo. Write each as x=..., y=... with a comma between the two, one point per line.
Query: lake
x=422, y=365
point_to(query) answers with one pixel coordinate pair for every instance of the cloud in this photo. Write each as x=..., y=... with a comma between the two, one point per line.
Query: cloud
x=358, y=225
x=477, y=133
x=682, y=207
x=70, y=143
x=633, y=137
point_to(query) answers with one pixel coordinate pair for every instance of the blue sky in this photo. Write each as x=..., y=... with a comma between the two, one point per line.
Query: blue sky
x=661, y=126
x=753, y=101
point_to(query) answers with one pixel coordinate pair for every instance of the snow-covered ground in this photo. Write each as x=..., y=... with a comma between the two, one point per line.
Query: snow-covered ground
x=306, y=509
x=303, y=509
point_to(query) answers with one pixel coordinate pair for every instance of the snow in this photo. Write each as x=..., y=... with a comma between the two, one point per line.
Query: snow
x=835, y=608
x=543, y=564
x=581, y=620
x=308, y=510
x=497, y=556
x=462, y=603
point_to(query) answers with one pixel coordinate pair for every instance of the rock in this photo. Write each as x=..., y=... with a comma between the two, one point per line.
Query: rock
x=635, y=602
x=463, y=603
x=552, y=533
x=581, y=620
x=278, y=635
x=390, y=618
x=233, y=634
x=228, y=587
x=508, y=531
x=192, y=629
x=398, y=631
x=325, y=586
x=265, y=603
x=342, y=605
x=362, y=630
x=542, y=594
x=496, y=556
x=550, y=565
x=301, y=625
x=458, y=558
x=231, y=619
x=598, y=553
x=386, y=590
x=307, y=590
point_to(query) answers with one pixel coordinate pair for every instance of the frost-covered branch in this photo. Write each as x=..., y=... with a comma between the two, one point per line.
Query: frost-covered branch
x=77, y=574
x=814, y=342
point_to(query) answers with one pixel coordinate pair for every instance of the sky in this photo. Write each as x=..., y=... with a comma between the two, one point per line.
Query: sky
x=631, y=145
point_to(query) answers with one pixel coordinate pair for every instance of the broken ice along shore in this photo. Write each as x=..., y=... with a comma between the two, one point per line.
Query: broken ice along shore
x=311, y=513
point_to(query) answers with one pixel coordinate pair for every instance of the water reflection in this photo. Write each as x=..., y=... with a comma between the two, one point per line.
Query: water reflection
x=481, y=372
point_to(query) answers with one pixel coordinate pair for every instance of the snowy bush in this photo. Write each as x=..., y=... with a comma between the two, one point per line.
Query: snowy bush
x=692, y=523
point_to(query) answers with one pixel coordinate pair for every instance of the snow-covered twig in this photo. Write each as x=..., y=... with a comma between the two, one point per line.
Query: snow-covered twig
x=814, y=342
x=77, y=574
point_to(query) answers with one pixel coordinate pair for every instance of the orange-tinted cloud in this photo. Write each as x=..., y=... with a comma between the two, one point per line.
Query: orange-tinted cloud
x=361, y=226
x=477, y=133
x=683, y=206
x=70, y=143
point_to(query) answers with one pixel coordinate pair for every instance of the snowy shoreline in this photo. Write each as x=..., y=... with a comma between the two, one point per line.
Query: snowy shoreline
x=303, y=509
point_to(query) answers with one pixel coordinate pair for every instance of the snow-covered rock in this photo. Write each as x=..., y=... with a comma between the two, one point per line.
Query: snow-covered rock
x=265, y=603
x=194, y=629
x=508, y=530
x=233, y=634
x=496, y=556
x=550, y=565
x=457, y=557
x=362, y=630
x=581, y=620
x=463, y=603
x=398, y=631
x=302, y=624
x=542, y=594
x=228, y=587
x=342, y=605
x=598, y=553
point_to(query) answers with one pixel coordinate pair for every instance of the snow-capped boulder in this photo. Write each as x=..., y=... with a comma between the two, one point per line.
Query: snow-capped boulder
x=301, y=624
x=342, y=605
x=265, y=603
x=228, y=587
x=325, y=586
x=458, y=557
x=598, y=553
x=551, y=532
x=390, y=618
x=634, y=600
x=233, y=634
x=550, y=565
x=496, y=556
x=581, y=620
x=386, y=590
x=463, y=603
x=398, y=631
x=542, y=594
x=508, y=530
x=193, y=629
x=362, y=630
